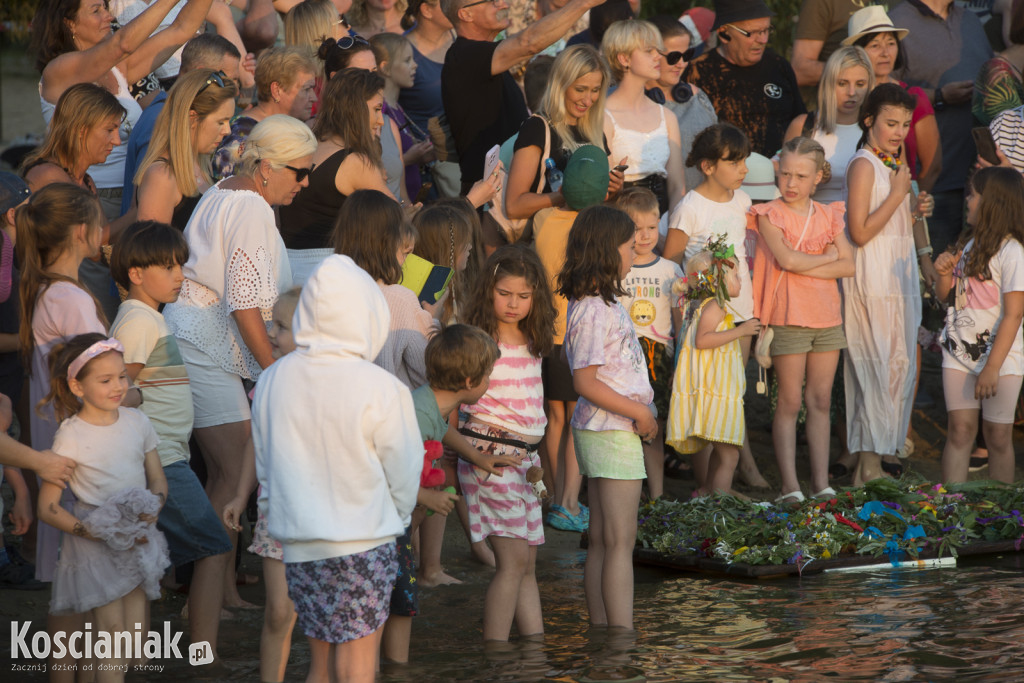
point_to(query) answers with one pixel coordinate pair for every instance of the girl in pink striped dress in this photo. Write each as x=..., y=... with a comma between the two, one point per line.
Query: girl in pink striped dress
x=512, y=303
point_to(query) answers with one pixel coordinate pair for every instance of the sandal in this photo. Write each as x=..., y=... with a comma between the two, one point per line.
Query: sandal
x=797, y=496
x=893, y=469
x=838, y=470
x=827, y=492
x=560, y=518
x=676, y=467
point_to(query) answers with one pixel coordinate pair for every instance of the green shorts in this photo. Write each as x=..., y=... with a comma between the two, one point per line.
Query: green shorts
x=790, y=339
x=609, y=455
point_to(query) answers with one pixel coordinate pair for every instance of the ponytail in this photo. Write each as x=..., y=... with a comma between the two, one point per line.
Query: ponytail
x=44, y=227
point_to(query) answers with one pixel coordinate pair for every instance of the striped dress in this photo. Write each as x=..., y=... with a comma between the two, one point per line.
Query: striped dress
x=707, y=390
x=512, y=408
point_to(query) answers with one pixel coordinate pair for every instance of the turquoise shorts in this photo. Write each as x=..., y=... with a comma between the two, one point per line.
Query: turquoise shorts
x=609, y=455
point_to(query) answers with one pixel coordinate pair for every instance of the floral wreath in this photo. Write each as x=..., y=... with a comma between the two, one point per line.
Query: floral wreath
x=710, y=282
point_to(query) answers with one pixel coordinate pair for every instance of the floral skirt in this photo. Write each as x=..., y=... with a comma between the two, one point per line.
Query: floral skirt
x=345, y=598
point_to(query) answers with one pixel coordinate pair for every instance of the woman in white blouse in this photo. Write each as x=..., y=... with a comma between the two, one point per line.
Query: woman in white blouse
x=235, y=271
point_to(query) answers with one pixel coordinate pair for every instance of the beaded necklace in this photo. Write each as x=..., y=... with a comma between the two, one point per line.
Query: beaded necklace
x=889, y=160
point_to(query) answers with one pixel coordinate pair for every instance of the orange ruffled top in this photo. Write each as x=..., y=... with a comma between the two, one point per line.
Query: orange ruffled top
x=800, y=300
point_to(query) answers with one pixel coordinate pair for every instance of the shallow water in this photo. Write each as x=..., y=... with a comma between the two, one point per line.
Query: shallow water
x=935, y=624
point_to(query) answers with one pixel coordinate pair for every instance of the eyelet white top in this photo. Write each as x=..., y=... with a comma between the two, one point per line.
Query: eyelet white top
x=237, y=261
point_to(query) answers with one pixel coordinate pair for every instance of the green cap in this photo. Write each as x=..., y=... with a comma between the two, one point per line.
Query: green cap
x=585, y=182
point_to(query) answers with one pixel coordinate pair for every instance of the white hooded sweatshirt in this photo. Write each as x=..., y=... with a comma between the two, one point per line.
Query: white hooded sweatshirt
x=338, y=449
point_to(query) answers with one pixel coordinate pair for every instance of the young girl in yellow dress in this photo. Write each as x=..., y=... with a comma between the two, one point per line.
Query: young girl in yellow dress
x=707, y=390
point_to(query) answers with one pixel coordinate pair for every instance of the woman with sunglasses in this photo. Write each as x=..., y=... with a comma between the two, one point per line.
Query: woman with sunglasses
x=235, y=271
x=171, y=178
x=285, y=84
x=348, y=52
x=694, y=111
x=348, y=158
x=642, y=134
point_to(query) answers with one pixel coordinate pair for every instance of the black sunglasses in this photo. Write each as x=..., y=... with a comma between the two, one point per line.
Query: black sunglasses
x=478, y=2
x=300, y=173
x=673, y=57
x=349, y=42
x=218, y=77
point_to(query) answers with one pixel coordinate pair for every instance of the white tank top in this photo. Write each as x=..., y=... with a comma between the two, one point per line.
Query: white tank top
x=646, y=153
x=839, y=150
x=111, y=172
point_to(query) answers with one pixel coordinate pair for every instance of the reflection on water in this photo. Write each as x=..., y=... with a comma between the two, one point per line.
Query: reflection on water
x=907, y=625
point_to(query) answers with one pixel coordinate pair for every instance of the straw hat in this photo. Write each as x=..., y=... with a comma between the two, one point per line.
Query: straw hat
x=871, y=19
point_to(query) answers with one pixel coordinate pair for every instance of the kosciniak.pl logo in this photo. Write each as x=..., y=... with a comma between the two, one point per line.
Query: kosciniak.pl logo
x=102, y=645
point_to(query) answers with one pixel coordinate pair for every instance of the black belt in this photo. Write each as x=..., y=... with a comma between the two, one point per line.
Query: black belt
x=516, y=443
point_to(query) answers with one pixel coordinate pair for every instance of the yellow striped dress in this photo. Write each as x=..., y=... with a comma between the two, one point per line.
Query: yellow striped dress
x=707, y=390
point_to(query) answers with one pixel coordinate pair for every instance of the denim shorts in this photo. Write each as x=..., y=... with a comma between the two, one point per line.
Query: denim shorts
x=187, y=519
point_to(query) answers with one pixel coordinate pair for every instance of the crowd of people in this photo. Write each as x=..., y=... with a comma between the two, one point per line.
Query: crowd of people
x=403, y=258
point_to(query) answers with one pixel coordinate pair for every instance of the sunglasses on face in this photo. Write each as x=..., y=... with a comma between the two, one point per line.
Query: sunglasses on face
x=218, y=77
x=765, y=32
x=300, y=173
x=673, y=57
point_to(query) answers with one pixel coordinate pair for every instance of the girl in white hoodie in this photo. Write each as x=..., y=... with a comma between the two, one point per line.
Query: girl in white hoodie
x=343, y=471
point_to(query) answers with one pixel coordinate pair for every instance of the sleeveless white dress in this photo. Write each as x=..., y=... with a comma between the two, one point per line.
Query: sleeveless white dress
x=881, y=314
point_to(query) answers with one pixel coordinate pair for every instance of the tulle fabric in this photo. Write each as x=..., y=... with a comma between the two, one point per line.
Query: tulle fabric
x=91, y=573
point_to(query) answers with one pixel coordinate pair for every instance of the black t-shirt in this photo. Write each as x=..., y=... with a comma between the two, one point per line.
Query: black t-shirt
x=761, y=100
x=483, y=110
x=532, y=135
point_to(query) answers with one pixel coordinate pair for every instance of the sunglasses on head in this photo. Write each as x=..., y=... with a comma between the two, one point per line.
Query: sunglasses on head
x=300, y=173
x=218, y=77
x=349, y=42
x=673, y=57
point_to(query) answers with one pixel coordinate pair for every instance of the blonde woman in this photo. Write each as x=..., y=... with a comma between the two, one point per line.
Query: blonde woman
x=196, y=117
x=845, y=82
x=311, y=22
x=82, y=131
x=571, y=114
x=370, y=17
x=641, y=134
x=235, y=271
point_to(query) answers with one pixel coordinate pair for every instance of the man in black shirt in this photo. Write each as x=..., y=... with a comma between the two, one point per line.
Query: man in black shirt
x=751, y=86
x=482, y=101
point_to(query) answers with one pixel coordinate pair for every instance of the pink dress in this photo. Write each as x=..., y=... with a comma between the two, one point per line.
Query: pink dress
x=63, y=311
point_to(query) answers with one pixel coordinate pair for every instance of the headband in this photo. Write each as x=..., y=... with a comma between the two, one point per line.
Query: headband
x=96, y=349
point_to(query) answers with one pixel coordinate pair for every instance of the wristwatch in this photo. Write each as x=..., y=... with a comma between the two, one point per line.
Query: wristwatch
x=939, y=103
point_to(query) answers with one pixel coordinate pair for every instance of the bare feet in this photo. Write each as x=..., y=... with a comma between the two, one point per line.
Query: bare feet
x=438, y=579
x=751, y=476
x=239, y=603
x=224, y=614
x=869, y=468
x=482, y=553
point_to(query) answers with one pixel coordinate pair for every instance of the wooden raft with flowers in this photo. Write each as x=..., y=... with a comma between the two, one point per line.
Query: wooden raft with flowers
x=885, y=521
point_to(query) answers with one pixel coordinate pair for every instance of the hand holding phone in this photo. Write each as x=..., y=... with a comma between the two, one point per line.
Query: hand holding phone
x=985, y=144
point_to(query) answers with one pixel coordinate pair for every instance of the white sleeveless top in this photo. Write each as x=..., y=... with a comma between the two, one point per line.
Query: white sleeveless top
x=111, y=172
x=646, y=153
x=839, y=150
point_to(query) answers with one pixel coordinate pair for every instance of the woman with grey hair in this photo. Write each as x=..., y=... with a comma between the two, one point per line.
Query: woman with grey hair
x=235, y=271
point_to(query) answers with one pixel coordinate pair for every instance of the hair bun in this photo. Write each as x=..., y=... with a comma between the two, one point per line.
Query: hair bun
x=826, y=172
x=325, y=48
